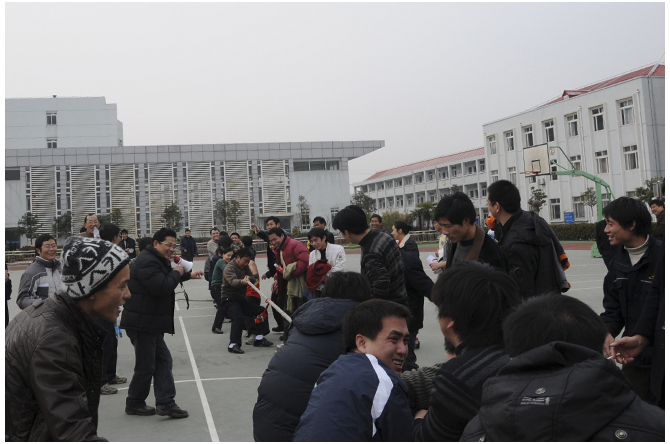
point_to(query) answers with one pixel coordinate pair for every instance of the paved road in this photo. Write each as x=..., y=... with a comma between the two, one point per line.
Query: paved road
x=219, y=389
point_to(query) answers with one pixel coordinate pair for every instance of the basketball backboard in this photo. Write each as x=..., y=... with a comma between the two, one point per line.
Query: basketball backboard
x=536, y=160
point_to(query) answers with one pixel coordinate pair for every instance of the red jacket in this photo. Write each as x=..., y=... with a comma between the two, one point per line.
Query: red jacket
x=292, y=251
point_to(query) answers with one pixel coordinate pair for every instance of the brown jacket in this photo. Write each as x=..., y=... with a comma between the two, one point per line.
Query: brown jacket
x=231, y=284
x=53, y=363
x=659, y=230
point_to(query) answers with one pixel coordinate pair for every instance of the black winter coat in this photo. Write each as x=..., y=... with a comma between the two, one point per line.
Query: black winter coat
x=533, y=251
x=418, y=286
x=625, y=291
x=152, y=284
x=314, y=342
x=191, y=247
x=563, y=392
x=53, y=363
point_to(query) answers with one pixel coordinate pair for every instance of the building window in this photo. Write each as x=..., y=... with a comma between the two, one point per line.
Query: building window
x=597, y=115
x=630, y=157
x=12, y=174
x=532, y=178
x=549, y=130
x=605, y=200
x=430, y=176
x=432, y=197
x=494, y=176
x=630, y=194
x=301, y=166
x=398, y=201
x=380, y=186
x=408, y=180
x=332, y=165
x=492, y=144
x=398, y=182
x=553, y=170
x=390, y=202
x=528, y=135
x=474, y=194
x=410, y=201
x=305, y=221
x=472, y=169
x=573, y=131
x=482, y=164
x=333, y=212
x=455, y=171
x=52, y=143
x=555, y=208
x=577, y=162
x=484, y=191
x=512, y=174
x=317, y=165
x=420, y=198
x=578, y=206
x=601, y=162
x=419, y=178
x=509, y=140
x=626, y=107
x=51, y=118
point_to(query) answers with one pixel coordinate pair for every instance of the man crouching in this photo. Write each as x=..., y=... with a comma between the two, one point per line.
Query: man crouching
x=361, y=397
x=53, y=349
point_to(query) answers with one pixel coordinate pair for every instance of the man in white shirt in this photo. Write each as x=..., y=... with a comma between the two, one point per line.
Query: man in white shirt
x=334, y=254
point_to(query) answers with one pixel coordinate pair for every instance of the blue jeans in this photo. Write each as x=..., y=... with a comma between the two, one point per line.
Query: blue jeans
x=152, y=360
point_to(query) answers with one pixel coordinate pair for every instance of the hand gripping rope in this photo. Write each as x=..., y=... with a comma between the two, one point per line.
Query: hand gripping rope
x=269, y=301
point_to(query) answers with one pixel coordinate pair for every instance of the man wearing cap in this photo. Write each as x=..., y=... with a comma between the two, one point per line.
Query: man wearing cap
x=147, y=319
x=53, y=348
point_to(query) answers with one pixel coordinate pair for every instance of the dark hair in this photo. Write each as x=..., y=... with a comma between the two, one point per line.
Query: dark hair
x=347, y=285
x=223, y=233
x=320, y=220
x=367, y=319
x=41, y=239
x=627, y=211
x=274, y=219
x=352, y=219
x=210, y=231
x=82, y=230
x=247, y=241
x=506, y=194
x=402, y=226
x=277, y=231
x=225, y=241
x=316, y=232
x=477, y=297
x=658, y=202
x=553, y=317
x=235, y=234
x=448, y=346
x=377, y=216
x=187, y=230
x=124, y=231
x=242, y=253
x=163, y=233
x=456, y=208
x=219, y=251
x=109, y=231
x=91, y=214
x=144, y=242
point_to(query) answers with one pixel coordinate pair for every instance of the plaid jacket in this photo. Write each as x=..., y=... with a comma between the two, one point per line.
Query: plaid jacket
x=382, y=265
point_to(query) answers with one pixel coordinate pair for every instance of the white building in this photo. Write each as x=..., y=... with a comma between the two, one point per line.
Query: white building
x=404, y=187
x=614, y=129
x=61, y=122
x=266, y=179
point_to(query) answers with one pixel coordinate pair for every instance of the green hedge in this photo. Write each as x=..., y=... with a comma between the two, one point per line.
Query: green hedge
x=574, y=232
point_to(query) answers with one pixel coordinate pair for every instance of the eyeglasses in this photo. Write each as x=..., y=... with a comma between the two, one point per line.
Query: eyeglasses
x=170, y=245
x=49, y=246
x=491, y=203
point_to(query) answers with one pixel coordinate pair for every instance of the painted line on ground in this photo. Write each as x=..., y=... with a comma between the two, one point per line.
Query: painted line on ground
x=200, y=316
x=176, y=305
x=201, y=390
x=207, y=379
x=589, y=288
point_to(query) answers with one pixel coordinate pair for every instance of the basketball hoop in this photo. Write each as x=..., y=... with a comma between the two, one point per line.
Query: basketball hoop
x=530, y=173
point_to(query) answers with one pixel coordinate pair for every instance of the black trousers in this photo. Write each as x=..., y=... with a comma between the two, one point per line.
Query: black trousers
x=215, y=292
x=250, y=324
x=235, y=310
x=640, y=380
x=109, y=354
x=275, y=314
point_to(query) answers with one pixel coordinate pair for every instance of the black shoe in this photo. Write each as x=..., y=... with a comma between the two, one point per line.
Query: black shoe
x=263, y=343
x=141, y=411
x=281, y=338
x=248, y=335
x=172, y=412
x=217, y=331
x=235, y=349
x=277, y=329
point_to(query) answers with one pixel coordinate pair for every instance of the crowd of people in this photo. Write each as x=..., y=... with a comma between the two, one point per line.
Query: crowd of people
x=524, y=362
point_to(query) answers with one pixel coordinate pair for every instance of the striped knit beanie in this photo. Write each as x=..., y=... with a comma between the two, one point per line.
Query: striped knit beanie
x=88, y=265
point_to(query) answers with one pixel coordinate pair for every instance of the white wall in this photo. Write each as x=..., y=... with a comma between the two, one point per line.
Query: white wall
x=323, y=190
x=81, y=122
x=15, y=196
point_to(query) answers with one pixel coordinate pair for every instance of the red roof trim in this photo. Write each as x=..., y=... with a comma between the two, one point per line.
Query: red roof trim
x=477, y=152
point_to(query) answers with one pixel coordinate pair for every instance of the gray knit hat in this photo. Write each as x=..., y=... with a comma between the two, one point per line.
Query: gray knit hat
x=88, y=264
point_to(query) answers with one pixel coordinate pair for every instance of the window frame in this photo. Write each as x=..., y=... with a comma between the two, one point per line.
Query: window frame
x=631, y=153
x=602, y=157
x=547, y=128
x=493, y=147
x=51, y=118
x=598, y=118
x=509, y=140
x=52, y=143
x=553, y=204
x=528, y=135
x=624, y=107
x=572, y=122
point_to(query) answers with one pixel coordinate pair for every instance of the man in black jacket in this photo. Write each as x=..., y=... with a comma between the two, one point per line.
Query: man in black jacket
x=128, y=244
x=455, y=216
x=270, y=223
x=314, y=342
x=628, y=281
x=53, y=348
x=188, y=247
x=147, y=319
x=559, y=386
x=536, y=257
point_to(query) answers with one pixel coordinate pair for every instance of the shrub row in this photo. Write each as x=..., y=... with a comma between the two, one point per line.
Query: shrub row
x=574, y=232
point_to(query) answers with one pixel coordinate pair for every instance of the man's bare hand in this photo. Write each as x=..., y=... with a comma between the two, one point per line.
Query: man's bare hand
x=255, y=229
x=420, y=414
x=274, y=287
x=607, y=350
x=128, y=250
x=197, y=274
x=179, y=269
x=627, y=348
x=437, y=265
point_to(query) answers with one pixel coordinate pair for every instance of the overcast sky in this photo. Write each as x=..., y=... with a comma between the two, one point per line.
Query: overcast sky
x=422, y=77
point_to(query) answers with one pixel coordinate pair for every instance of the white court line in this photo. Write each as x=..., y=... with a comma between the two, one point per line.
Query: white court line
x=201, y=390
x=201, y=316
x=590, y=288
x=176, y=305
x=208, y=379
